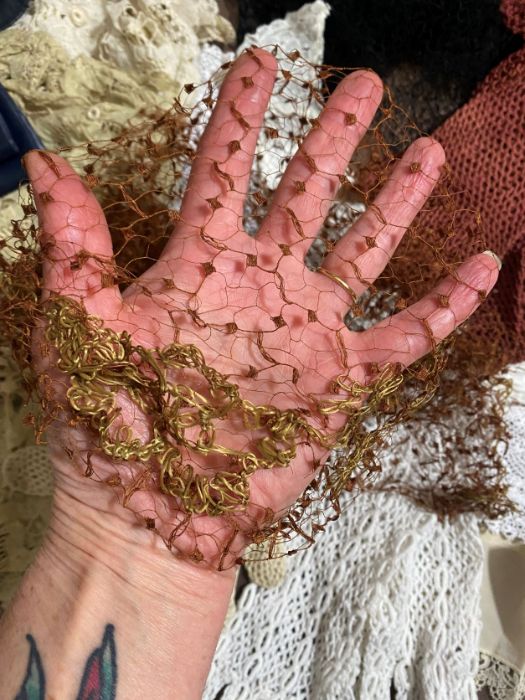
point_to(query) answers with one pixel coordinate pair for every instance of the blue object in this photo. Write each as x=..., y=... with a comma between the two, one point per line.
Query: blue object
x=17, y=136
x=11, y=10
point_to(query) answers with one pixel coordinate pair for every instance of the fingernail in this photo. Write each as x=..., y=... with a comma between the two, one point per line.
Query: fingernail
x=494, y=256
x=23, y=159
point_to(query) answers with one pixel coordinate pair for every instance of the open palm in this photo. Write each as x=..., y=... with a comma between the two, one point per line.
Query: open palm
x=257, y=315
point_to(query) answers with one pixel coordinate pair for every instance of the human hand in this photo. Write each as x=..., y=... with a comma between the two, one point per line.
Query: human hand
x=258, y=316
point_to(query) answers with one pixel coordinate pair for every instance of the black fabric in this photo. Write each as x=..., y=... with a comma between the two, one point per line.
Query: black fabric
x=10, y=11
x=436, y=51
x=17, y=137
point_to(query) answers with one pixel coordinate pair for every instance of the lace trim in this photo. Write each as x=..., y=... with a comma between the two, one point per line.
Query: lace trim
x=512, y=526
x=501, y=680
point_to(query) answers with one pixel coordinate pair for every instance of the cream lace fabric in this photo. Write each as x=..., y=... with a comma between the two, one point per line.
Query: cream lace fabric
x=80, y=73
x=25, y=485
x=391, y=598
x=136, y=35
x=81, y=70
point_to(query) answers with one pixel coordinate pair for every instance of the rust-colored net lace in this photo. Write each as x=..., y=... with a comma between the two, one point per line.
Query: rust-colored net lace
x=236, y=392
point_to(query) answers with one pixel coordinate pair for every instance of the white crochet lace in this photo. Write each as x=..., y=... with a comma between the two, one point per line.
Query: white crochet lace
x=389, y=597
x=512, y=526
x=501, y=681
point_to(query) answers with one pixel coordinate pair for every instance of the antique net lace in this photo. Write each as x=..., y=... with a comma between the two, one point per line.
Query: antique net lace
x=415, y=664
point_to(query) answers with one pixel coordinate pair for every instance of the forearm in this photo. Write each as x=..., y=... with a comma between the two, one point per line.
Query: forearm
x=164, y=615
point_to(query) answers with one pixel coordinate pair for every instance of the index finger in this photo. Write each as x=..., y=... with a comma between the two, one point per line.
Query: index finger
x=221, y=168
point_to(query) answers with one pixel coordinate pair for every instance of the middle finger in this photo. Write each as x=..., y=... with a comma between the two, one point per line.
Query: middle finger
x=311, y=180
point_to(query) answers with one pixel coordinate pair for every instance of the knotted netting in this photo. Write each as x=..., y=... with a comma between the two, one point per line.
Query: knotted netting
x=227, y=339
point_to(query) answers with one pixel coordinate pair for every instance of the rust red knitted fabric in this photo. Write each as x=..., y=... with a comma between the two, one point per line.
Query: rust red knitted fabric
x=485, y=146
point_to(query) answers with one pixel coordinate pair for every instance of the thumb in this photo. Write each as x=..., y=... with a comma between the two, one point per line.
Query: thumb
x=74, y=235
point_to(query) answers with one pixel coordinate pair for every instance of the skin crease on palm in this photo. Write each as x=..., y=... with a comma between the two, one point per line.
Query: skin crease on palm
x=250, y=295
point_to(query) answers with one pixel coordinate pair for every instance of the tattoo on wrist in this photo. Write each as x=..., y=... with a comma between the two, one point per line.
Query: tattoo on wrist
x=99, y=679
x=34, y=685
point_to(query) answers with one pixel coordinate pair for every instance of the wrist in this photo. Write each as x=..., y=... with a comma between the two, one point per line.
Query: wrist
x=115, y=543
x=166, y=613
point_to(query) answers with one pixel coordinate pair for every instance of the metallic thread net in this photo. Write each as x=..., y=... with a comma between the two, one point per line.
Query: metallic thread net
x=205, y=353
